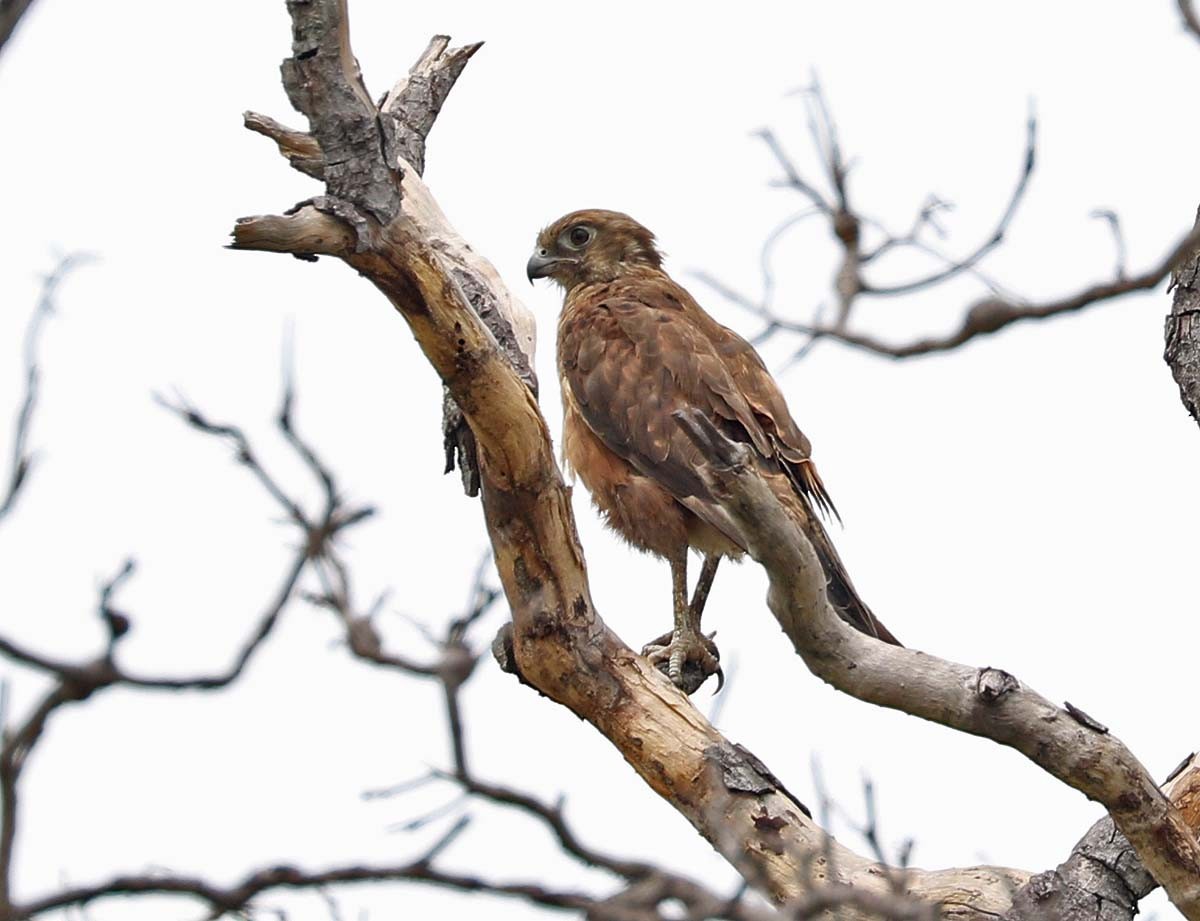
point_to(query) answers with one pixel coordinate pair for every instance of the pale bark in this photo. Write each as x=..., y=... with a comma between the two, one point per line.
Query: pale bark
x=400, y=241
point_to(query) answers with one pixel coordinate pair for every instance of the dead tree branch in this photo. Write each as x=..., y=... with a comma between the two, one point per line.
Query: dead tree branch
x=1182, y=353
x=11, y=12
x=558, y=642
x=1103, y=879
x=77, y=682
x=848, y=224
x=22, y=459
x=1191, y=19
x=987, y=702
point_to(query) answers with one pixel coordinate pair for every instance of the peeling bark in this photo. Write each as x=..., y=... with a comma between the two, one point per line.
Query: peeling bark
x=401, y=242
x=1183, y=332
x=988, y=702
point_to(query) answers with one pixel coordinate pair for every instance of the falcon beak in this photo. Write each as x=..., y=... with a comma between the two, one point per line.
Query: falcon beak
x=540, y=265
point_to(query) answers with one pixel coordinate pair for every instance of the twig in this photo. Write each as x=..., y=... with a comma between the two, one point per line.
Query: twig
x=995, y=239
x=1114, y=225
x=22, y=461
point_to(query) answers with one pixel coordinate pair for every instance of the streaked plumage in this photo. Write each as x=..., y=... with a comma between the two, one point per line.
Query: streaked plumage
x=633, y=348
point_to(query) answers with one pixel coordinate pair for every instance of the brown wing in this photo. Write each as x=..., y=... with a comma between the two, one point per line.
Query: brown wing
x=632, y=354
x=632, y=357
x=789, y=445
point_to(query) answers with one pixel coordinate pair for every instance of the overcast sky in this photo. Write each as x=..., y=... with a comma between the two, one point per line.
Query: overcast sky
x=1026, y=502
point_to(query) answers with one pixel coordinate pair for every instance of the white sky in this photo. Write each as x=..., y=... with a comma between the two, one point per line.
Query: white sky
x=1022, y=503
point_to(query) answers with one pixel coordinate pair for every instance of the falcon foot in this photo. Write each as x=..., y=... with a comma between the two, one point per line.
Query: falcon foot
x=687, y=658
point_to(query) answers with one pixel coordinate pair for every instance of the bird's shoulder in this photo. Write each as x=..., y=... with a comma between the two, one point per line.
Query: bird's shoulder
x=644, y=325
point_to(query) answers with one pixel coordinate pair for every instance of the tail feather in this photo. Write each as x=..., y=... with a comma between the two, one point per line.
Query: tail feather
x=842, y=594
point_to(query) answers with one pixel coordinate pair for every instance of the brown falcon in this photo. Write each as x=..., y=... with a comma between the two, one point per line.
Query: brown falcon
x=633, y=349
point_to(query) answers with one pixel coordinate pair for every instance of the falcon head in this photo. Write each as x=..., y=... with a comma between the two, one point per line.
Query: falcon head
x=592, y=246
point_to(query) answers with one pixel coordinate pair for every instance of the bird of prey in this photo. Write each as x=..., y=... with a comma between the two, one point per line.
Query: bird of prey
x=634, y=348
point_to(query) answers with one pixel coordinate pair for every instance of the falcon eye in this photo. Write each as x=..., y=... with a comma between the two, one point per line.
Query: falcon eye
x=579, y=236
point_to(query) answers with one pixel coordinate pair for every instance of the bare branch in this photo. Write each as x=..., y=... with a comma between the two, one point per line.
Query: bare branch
x=1191, y=20
x=986, y=702
x=226, y=900
x=991, y=314
x=11, y=12
x=266, y=624
x=1102, y=878
x=559, y=644
x=995, y=239
x=1182, y=334
x=1114, y=225
x=300, y=149
x=417, y=99
x=794, y=178
x=22, y=459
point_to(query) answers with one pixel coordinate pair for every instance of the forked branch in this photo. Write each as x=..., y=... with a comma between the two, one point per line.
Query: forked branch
x=559, y=644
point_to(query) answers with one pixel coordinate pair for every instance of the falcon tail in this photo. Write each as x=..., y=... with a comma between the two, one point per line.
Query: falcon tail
x=841, y=591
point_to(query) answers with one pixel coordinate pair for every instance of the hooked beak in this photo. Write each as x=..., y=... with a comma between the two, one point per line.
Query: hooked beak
x=540, y=265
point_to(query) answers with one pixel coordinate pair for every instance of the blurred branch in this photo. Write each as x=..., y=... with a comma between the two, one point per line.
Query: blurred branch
x=991, y=313
x=1111, y=218
x=995, y=239
x=237, y=898
x=76, y=682
x=22, y=459
x=11, y=12
x=986, y=316
x=1191, y=20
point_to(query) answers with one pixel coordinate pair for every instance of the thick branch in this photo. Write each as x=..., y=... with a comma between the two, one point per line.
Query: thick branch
x=1103, y=879
x=417, y=99
x=560, y=645
x=406, y=115
x=986, y=702
x=323, y=82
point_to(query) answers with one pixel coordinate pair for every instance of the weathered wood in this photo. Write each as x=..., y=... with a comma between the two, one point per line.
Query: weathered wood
x=1182, y=352
x=1103, y=879
x=987, y=702
x=559, y=643
x=406, y=115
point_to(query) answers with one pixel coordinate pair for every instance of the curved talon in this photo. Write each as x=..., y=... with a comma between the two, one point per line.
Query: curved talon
x=687, y=659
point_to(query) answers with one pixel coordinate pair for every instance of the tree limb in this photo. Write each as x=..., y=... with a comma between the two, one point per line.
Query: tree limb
x=1191, y=20
x=1182, y=332
x=987, y=702
x=559, y=644
x=848, y=224
x=22, y=459
x=11, y=12
x=985, y=317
